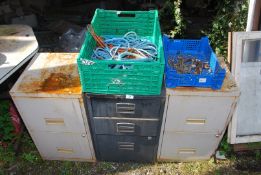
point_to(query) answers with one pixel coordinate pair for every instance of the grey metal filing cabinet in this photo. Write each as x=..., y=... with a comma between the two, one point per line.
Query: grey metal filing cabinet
x=125, y=127
x=195, y=120
x=48, y=97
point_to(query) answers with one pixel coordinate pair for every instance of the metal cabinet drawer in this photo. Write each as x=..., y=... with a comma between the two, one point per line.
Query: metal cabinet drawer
x=51, y=114
x=62, y=146
x=119, y=106
x=126, y=126
x=126, y=148
x=188, y=146
x=198, y=114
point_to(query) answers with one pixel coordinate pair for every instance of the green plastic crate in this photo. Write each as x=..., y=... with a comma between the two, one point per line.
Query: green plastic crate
x=141, y=78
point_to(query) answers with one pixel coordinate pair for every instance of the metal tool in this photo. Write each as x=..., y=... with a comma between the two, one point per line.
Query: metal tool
x=188, y=64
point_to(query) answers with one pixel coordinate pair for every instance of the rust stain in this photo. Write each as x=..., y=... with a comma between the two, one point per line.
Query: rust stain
x=61, y=79
x=81, y=102
x=65, y=58
x=61, y=83
x=14, y=30
x=8, y=31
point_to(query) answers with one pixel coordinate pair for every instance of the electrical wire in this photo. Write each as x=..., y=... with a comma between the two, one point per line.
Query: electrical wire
x=130, y=47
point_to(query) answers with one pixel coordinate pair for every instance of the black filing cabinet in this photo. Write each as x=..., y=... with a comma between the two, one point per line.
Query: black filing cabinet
x=125, y=127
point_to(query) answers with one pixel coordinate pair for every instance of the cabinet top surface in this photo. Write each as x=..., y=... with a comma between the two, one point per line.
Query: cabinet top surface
x=50, y=73
x=229, y=87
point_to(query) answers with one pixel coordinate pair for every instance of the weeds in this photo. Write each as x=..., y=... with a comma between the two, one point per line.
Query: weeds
x=225, y=148
x=231, y=16
x=6, y=127
x=30, y=157
x=171, y=18
x=7, y=157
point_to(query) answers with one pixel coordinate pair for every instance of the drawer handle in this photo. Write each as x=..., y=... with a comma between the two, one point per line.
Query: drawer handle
x=187, y=151
x=125, y=108
x=129, y=146
x=54, y=121
x=64, y=150
x=125, y=127
x=196, y=121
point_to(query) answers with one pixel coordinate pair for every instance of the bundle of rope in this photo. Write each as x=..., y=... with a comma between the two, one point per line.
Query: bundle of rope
x=129, y=47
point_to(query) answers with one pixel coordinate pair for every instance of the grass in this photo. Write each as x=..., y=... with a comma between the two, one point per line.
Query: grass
x=29, y=161
x=65, y=167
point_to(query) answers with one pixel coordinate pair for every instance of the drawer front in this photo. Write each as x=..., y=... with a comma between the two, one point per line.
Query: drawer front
x=126, y=126
x=188, y=146
x=126, y=148
x=62, y=146
x=145, y=108
x=51, y=114
x=198, y=114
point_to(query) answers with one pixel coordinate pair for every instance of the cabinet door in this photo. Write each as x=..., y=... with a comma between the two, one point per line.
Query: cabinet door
x=62, y=146
x=197, y=113
x=188, y=146
x=51, y=114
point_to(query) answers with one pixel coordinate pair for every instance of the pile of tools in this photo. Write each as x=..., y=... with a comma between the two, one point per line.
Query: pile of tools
x=188, y=64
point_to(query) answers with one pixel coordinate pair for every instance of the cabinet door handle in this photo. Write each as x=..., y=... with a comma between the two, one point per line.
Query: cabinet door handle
x=196, y=121
x=128, y=146
x=125, y=127
x=54, y=121
x=64, y=150
x=125, y=108
x=187, y=151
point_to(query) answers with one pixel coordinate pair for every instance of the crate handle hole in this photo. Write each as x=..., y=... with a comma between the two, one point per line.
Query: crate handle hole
x=128, y=15
x=120, y=66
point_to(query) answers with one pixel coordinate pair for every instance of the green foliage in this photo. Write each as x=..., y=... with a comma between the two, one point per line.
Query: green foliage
x=171, y=19
x=6, y=126
x=104, y=167
x=258, y=154
x=29, y=151
x=7, y=136
x=224, y=147
x=27, y=142
x=30, y=157
x=254, y=145
x=7, y=156
x=180, y=27
x=231, y=16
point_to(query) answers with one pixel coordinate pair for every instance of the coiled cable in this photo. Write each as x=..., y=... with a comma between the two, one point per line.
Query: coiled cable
x=130, y=47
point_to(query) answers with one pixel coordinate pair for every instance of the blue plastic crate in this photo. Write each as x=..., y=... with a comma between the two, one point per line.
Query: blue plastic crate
x=200, y=49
